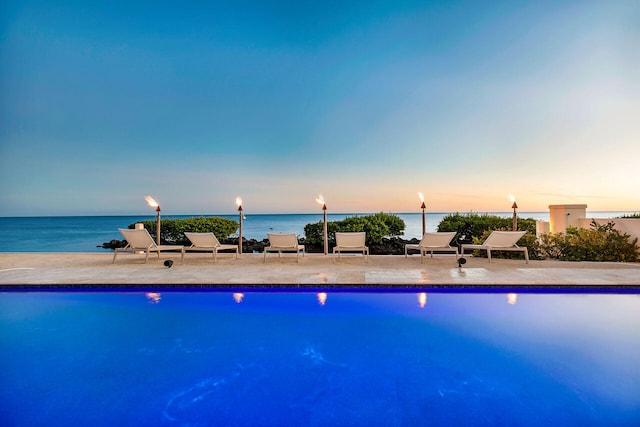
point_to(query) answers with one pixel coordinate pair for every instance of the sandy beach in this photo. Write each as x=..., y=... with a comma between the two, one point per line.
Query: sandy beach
x=89, y=270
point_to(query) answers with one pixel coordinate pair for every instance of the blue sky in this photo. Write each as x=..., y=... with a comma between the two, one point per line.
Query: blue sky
x=367, y=102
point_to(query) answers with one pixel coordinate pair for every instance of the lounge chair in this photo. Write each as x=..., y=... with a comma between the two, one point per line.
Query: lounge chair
x=433, y=242
x=283, y=242
x=499, y=241
x=140, y=240
x=207, y=242
x=351, y=242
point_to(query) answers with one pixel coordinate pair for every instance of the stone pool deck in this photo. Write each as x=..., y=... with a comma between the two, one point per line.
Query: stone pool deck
x=42, y=271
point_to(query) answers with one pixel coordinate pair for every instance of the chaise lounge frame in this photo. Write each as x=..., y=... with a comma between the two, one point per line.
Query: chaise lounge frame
x=207, y=242
x=139, y=240
x=283, y=242
x=499, y=241
x=351, y=242
x=439, y=241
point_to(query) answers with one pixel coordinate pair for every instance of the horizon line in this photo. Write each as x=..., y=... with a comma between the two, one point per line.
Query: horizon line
x=300, y=213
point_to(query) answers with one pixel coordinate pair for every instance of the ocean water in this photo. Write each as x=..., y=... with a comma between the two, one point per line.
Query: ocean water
x=87, y=233
x=276, y=359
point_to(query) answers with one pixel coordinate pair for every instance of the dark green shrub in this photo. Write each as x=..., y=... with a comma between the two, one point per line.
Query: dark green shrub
x=313, y=233
x=479, y=223
x=172, y=230
x=376, y=226
x=599, y=243
x=394, y=223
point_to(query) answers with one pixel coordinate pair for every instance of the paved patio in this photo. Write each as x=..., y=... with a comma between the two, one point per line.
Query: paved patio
x=33, y=271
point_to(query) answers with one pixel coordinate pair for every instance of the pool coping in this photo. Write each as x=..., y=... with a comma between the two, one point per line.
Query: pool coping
x=314, y=288
x=34, y=272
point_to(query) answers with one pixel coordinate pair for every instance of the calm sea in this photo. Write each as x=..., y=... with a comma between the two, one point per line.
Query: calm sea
x=87, y=233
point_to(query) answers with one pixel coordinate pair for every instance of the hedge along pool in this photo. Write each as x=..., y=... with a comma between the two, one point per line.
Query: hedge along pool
x=319, y=359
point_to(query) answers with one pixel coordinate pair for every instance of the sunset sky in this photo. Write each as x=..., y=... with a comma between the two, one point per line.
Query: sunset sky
x=367, y=102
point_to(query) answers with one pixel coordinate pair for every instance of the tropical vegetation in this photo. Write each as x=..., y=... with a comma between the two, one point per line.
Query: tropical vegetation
x=172, y=229
x=377, y=226
x=598, y=243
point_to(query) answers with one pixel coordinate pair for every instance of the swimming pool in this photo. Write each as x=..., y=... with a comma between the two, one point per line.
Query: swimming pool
x=319, y=359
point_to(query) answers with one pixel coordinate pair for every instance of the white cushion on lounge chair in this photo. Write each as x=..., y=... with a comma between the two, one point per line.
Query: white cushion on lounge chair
x=283, y=242
x=500, y=241
x=207, y=242
x=430, y=242
x=141, y=240
x=351, y=242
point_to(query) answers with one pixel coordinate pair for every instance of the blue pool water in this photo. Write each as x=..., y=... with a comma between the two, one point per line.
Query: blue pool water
x=380, y=359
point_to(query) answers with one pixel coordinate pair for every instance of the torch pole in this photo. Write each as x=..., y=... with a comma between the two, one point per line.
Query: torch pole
x=424, y=222
x=324, y=235
x=515, y=216
x=240, y=230
x=158, y=226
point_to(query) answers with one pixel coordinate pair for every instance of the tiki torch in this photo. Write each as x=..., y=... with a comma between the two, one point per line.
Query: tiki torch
x=239, y=203
x=423, y=207
x=320, y=200
x=515, y=214
x=152, y=202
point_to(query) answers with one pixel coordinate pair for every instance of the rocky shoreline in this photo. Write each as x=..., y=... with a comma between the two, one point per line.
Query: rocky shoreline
x=389, y=246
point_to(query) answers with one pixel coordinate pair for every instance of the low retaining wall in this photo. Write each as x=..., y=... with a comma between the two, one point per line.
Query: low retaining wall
x=630, y=226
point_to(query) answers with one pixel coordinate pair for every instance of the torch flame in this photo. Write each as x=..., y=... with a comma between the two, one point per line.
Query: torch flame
x=512, y=198
x=238, y=297
x=151, y=202
x=421, y=196
x=320, y=199
x=238, y=201
x=512, y=299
